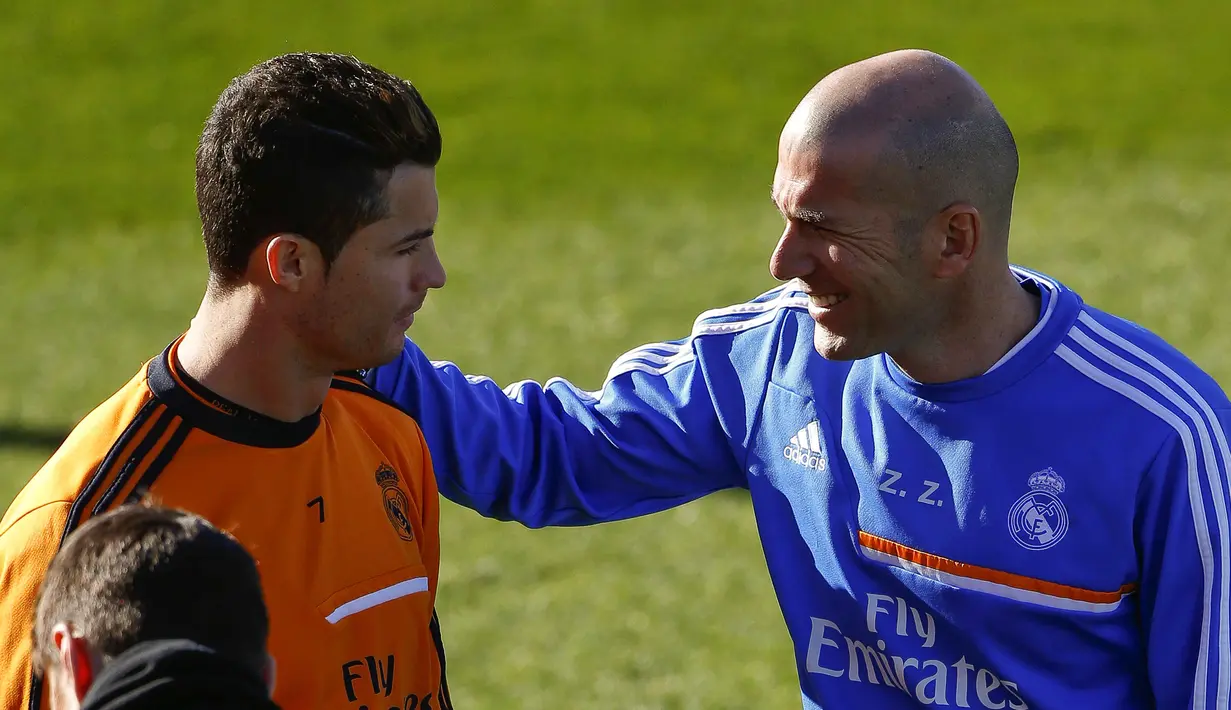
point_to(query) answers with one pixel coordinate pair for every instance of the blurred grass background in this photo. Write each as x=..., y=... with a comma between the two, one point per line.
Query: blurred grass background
x=605, y=178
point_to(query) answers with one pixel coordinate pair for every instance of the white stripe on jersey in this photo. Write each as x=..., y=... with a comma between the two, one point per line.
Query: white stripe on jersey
x=1026, y=596
x=1213, y=474
x=1041, y=279
x=1216, y=488
x=378, y=597
x=660, y=358
x=760, y=304
x=656, y=354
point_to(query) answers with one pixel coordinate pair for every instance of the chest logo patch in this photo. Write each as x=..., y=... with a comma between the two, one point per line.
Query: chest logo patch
x=1039, y=520
x=397, y=507
x=805, y=448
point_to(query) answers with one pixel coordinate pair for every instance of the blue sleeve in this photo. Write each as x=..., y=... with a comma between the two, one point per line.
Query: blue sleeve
x=1183, y=539
x=553, y=454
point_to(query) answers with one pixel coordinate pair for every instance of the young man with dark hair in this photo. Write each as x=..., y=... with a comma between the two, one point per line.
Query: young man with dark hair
x=146, y=606
x=316, y=190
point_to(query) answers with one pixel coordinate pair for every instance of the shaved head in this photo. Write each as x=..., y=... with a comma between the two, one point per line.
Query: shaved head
x=895, y=181
x=932, y=137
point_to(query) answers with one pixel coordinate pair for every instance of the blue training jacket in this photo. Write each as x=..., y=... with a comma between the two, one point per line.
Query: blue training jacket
x=1051, y=534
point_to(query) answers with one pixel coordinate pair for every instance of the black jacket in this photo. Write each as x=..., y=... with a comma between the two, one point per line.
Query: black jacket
x=176, y=674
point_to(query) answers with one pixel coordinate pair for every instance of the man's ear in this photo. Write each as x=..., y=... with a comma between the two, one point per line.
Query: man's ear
x=288, y=260
x=78, y=659
x=962, y=228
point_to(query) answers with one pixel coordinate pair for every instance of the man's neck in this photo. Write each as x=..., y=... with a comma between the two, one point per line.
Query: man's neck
x=985, y=324
x=240, y=354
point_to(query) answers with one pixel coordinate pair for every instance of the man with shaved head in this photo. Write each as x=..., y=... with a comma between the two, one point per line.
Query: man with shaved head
x=973, y=489
x=896, y=176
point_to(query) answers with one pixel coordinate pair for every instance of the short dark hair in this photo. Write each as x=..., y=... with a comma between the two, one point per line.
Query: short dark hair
x=945, y=158
x=142, y=573
x=304, y=143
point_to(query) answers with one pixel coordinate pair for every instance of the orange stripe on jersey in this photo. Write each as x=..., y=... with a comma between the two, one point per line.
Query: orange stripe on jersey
x=954, y=571
x=149, y=448
x=116, y=469
x=167, y=448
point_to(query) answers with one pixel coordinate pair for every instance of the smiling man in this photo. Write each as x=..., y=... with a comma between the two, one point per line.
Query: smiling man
x=973, y=489
x=316, y=190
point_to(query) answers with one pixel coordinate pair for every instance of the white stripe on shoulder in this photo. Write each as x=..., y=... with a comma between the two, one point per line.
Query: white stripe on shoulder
x=648, y=355
x=1213, y=473
x=768, y=301
x=662, y=357
x=652, y=359
x=1038, y=277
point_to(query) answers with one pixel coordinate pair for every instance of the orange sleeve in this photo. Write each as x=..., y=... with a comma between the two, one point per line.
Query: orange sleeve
x=26, y=549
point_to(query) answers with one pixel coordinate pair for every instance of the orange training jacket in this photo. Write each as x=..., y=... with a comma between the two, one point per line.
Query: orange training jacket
x=339, y=509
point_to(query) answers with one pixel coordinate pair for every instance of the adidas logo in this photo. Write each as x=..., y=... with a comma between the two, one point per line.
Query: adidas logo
x=805, y=448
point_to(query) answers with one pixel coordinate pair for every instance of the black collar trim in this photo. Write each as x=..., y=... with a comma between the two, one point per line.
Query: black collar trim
x=217, y=415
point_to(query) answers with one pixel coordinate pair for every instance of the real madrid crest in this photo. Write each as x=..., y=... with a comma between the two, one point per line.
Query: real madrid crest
x=397, y=507
x=1039, y=520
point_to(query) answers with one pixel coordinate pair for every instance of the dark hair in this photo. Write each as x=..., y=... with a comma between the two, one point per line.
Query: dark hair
x=304, y=143
x=141, y=573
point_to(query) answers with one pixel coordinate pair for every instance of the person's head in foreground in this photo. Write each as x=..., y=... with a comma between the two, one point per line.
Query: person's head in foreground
x=896, y=176
x=152, y=607
x=316, y=187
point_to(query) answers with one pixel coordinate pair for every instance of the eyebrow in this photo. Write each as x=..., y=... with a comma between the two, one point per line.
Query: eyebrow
x=415, y=236
x=803, y=214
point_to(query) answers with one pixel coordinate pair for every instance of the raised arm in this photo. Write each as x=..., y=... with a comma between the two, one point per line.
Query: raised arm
x=553, y=454
x=668, y=426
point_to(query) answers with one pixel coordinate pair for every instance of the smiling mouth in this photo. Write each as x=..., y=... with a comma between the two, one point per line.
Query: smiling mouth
x=829, y=300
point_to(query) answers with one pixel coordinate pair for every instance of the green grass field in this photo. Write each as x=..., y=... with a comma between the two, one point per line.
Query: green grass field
x=605, y=178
